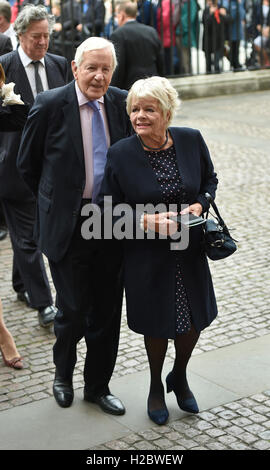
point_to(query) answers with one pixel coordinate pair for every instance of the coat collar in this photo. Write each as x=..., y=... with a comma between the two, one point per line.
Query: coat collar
x=178, y=150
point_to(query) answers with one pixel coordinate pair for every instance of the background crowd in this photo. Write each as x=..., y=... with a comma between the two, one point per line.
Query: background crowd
x=235, y=29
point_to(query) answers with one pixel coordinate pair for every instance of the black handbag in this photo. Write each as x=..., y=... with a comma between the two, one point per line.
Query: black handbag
x=218, y=243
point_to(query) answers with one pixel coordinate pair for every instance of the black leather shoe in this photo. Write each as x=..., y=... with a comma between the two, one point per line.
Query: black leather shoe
x=46, y=315
x=63, y=392
x=108, y=403
x=24, y=297
x=3, y=233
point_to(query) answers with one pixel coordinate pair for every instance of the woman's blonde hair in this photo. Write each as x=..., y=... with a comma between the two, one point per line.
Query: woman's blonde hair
x=159, y=88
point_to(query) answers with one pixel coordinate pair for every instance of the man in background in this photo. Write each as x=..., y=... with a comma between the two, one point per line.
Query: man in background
x=137, y=45
x=5, y=23
x=32, y=70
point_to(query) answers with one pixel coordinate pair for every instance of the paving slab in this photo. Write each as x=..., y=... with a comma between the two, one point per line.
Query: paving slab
x=44, y=425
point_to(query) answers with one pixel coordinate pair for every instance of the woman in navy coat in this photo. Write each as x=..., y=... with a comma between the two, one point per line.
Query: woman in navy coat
x=169, y=291
x=12, y=118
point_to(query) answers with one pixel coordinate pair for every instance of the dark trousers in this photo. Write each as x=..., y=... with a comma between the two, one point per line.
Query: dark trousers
x=88, y=283
x=235, y=54
x=29, y=272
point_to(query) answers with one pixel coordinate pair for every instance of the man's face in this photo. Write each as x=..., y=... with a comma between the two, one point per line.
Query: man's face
x=120, y=16
x=35, y=41
x=94, y=73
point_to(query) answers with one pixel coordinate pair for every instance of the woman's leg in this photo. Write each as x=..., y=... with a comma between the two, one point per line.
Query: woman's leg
x=184, y=345
x=156, y=349
x=7, y=343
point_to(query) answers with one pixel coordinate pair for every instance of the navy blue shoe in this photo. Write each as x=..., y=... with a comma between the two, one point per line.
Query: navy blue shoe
x=159, y=416
x=188, y=404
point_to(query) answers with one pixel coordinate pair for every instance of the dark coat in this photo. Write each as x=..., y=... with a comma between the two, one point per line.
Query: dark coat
x=12, y=118
x=150, y=264
x=214, y=33
x=5, y=44
x=11, y=185
x=139, y=54
x=51, y=161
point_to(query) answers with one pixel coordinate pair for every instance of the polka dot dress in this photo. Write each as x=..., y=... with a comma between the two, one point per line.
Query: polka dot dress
x=167, y=173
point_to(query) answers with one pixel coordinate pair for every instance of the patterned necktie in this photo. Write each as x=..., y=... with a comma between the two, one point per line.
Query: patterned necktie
x=99, y=147
x=39, y=86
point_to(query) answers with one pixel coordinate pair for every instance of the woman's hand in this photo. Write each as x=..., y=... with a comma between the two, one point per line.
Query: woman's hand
x=161, y=223
x=195, y=209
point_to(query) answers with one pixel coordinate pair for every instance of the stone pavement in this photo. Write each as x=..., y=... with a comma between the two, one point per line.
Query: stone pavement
x=229, y=370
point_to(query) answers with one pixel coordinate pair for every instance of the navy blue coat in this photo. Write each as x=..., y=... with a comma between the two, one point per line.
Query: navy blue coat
x=150, y=264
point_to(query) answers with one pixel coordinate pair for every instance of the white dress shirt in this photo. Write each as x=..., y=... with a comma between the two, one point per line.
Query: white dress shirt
x=10, y=33
x=30, y=71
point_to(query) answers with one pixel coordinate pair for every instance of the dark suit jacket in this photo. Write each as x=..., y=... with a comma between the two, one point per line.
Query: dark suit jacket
x=150, y=265
x=5, y=44
x=11, y=185
x=139, y=54
x=51, y=161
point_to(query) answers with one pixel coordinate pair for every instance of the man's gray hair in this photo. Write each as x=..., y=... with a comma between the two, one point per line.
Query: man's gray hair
x=31, y=13
x=92, y=44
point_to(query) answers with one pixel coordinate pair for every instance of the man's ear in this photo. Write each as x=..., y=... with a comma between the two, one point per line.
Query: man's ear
x=74, y=69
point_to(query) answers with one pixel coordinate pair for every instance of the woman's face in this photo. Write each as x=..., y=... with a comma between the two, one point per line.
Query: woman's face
x=147, y=118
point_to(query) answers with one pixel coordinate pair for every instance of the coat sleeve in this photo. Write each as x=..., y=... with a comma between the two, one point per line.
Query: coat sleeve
x=30, y=156
x=209, y=179
x=12, y=118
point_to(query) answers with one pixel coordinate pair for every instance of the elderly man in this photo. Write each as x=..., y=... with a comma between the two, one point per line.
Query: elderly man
x=62, y=159
x=32, y=70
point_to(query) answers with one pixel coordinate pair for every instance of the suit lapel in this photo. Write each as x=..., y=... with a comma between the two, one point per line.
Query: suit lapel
x=18, y=75
x=115, y=117
x=54, y=77
x=147, y=175
x=72, y=117
x=111, y=112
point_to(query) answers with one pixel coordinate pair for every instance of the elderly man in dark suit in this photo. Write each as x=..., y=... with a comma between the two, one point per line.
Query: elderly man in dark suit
x=137, y=46
x=32, y=70
x=62, y=158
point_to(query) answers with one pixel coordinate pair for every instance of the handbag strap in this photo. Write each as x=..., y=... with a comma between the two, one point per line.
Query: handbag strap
x=213, y=204
x=220, y=220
